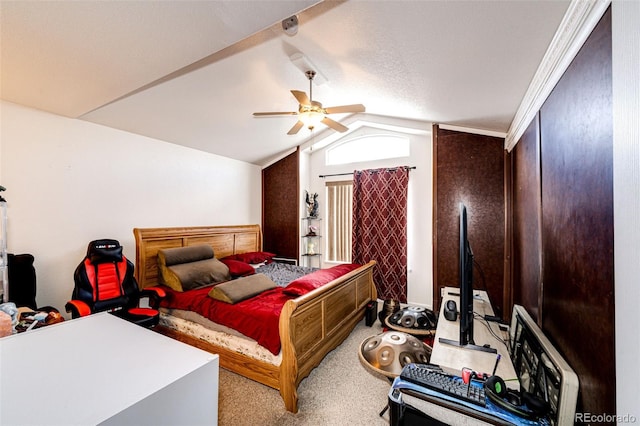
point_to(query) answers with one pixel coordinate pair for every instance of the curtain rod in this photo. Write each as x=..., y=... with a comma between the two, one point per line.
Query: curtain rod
x=347, y=174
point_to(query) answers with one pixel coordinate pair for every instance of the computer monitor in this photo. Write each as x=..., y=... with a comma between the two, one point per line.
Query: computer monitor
x=466, y=282
x=466, y=291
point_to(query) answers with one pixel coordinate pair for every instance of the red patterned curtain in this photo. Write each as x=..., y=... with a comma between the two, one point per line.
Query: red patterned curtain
x=380, y=227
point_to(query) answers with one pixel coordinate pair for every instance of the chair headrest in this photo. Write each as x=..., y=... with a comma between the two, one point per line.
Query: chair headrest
x=103, y=251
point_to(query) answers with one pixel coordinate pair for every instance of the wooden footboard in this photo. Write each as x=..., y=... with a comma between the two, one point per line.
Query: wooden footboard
x=314, y=324
x=310, y=326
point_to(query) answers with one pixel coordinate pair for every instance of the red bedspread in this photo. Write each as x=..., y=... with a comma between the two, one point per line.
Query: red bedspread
x=257, y=317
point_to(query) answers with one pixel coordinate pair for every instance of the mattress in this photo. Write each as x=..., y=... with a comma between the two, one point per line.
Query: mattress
x=197, y=326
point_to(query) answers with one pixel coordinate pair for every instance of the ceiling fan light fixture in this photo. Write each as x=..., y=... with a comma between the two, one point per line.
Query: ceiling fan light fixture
x=310, y=113
x=311, y=118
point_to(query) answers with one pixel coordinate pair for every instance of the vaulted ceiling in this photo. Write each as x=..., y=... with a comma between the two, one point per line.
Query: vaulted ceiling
x=193, y=72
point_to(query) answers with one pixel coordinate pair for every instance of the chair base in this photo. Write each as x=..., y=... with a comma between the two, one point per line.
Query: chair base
x=144, y=317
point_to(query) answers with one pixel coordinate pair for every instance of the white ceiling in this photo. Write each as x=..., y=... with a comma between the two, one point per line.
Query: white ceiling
x=193, y=72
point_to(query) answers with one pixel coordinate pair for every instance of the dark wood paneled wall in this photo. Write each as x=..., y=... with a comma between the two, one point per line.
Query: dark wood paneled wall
x=469, y=168
x=526, y=285
x=576, y=132
x=572, y=287
x=281, y=206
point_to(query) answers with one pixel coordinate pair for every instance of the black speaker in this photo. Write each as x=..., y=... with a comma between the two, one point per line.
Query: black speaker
x=371, y=313
x=523, y=404
x=22, y=280
x=451, y=311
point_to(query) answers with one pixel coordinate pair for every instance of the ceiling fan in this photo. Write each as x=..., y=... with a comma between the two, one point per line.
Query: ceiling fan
x=311, y=112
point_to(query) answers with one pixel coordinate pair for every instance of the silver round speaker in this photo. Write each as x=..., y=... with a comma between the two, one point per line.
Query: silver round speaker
x=413, y=320
x=388, y=352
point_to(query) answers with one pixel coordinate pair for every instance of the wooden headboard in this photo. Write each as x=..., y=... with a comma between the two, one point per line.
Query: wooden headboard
x=225, y=240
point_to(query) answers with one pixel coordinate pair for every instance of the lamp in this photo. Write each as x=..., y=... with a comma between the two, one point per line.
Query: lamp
x=389, y=307
x=388, y=352
x=311, y=115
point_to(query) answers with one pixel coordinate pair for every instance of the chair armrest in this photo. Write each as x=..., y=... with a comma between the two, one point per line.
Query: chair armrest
x=77, y=308
x=154, y=294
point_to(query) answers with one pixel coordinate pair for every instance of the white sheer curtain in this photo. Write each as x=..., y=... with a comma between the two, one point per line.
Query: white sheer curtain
x=339, y=202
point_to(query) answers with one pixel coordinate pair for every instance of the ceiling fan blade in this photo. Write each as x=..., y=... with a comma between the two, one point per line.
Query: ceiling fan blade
x=334, y=125
x=345, y=108
x=302, y=97
x=296, y=127
x=262, y=114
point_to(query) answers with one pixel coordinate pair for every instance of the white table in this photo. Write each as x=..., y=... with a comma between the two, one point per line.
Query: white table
x=455, y=358
x=101, y=369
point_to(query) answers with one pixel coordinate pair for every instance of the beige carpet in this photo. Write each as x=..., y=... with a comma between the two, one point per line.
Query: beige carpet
x=340, y=391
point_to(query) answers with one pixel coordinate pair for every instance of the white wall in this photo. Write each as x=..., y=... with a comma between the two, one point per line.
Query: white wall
x=420, y=274
x=626, y=195
x=69, y=182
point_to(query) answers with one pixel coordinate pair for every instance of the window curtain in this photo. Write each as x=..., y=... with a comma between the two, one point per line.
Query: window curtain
x=380, y=227
x=339, y=203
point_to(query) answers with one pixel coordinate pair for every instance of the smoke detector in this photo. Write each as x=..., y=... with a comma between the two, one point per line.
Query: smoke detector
x=290, y=25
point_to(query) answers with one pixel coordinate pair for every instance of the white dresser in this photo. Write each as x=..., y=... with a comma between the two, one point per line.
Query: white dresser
x=103, y=370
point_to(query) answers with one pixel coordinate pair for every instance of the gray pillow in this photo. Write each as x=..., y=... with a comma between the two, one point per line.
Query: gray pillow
x=175, y=256
x=242, y=288
x=186, y=268
x=200, y=273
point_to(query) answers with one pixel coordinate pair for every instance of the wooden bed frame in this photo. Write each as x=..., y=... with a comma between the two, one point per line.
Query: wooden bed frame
x=310, y=326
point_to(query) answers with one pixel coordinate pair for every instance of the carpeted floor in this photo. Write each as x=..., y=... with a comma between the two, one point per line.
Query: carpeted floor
x=340, y=391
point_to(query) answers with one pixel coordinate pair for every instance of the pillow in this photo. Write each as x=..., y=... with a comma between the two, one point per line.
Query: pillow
x=237, y=268
x=314, y=280
x=175, y=256
x=241, y=289
x=253, y=257
x=186, y=268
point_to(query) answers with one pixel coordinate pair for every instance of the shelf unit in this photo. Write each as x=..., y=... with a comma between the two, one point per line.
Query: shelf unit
x=311, y=241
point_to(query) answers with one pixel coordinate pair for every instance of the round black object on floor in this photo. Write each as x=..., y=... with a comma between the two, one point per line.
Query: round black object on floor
x=413, y=320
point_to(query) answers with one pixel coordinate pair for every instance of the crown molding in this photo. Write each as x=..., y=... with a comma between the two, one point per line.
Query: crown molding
x=577, y=24
x=473, y=130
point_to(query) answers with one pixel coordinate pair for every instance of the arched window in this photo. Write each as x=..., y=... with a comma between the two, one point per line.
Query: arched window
x=367, y=148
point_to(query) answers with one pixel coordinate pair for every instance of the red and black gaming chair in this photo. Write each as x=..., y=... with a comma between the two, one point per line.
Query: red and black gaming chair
x=104, y=281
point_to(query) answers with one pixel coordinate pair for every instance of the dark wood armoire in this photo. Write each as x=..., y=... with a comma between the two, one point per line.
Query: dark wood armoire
x=281, y=206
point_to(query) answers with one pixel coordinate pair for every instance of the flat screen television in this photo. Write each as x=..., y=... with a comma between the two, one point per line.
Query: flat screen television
x=466, y=291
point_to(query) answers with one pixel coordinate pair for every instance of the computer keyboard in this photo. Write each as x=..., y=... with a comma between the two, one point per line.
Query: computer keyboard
x=439, y=381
